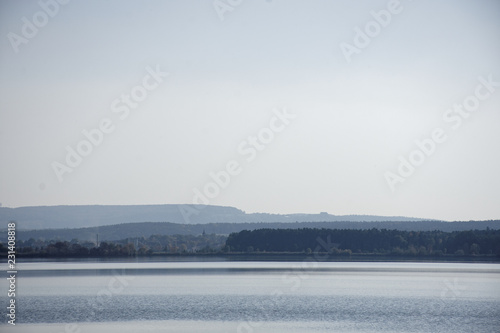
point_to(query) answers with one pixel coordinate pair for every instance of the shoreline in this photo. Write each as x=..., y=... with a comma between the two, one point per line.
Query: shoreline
x=285, y=257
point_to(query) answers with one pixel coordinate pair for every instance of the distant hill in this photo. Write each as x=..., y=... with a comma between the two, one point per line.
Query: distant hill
x=146, y=229
x=47, y=217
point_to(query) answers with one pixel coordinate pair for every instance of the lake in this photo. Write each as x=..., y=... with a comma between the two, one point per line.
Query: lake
x=244, y=297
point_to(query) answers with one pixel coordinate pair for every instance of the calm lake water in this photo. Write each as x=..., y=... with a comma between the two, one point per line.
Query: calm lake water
x=86, y=296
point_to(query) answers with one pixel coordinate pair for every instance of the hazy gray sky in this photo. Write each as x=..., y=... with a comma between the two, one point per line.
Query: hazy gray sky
x=312, y=105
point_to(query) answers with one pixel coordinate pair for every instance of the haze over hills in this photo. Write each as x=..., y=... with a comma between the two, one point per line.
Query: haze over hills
x=47, y=217
x=121, y=222
x=146, y=229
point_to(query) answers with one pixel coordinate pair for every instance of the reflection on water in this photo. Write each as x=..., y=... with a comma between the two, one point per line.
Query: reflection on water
x=258, y=297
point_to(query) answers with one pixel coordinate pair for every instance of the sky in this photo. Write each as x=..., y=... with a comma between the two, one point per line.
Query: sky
x=277, y=106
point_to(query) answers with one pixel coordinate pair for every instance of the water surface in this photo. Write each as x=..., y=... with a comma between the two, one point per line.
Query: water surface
x=304, y=296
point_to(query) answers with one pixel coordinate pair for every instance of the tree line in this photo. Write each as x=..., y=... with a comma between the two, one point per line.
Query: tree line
x=375, y=241
x=138, y=246
x=303, y=240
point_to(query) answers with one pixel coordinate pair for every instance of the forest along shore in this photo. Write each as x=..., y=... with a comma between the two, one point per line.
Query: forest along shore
x=284, y=244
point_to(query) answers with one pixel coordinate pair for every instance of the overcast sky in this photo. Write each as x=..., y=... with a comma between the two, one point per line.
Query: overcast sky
x=309, y=106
